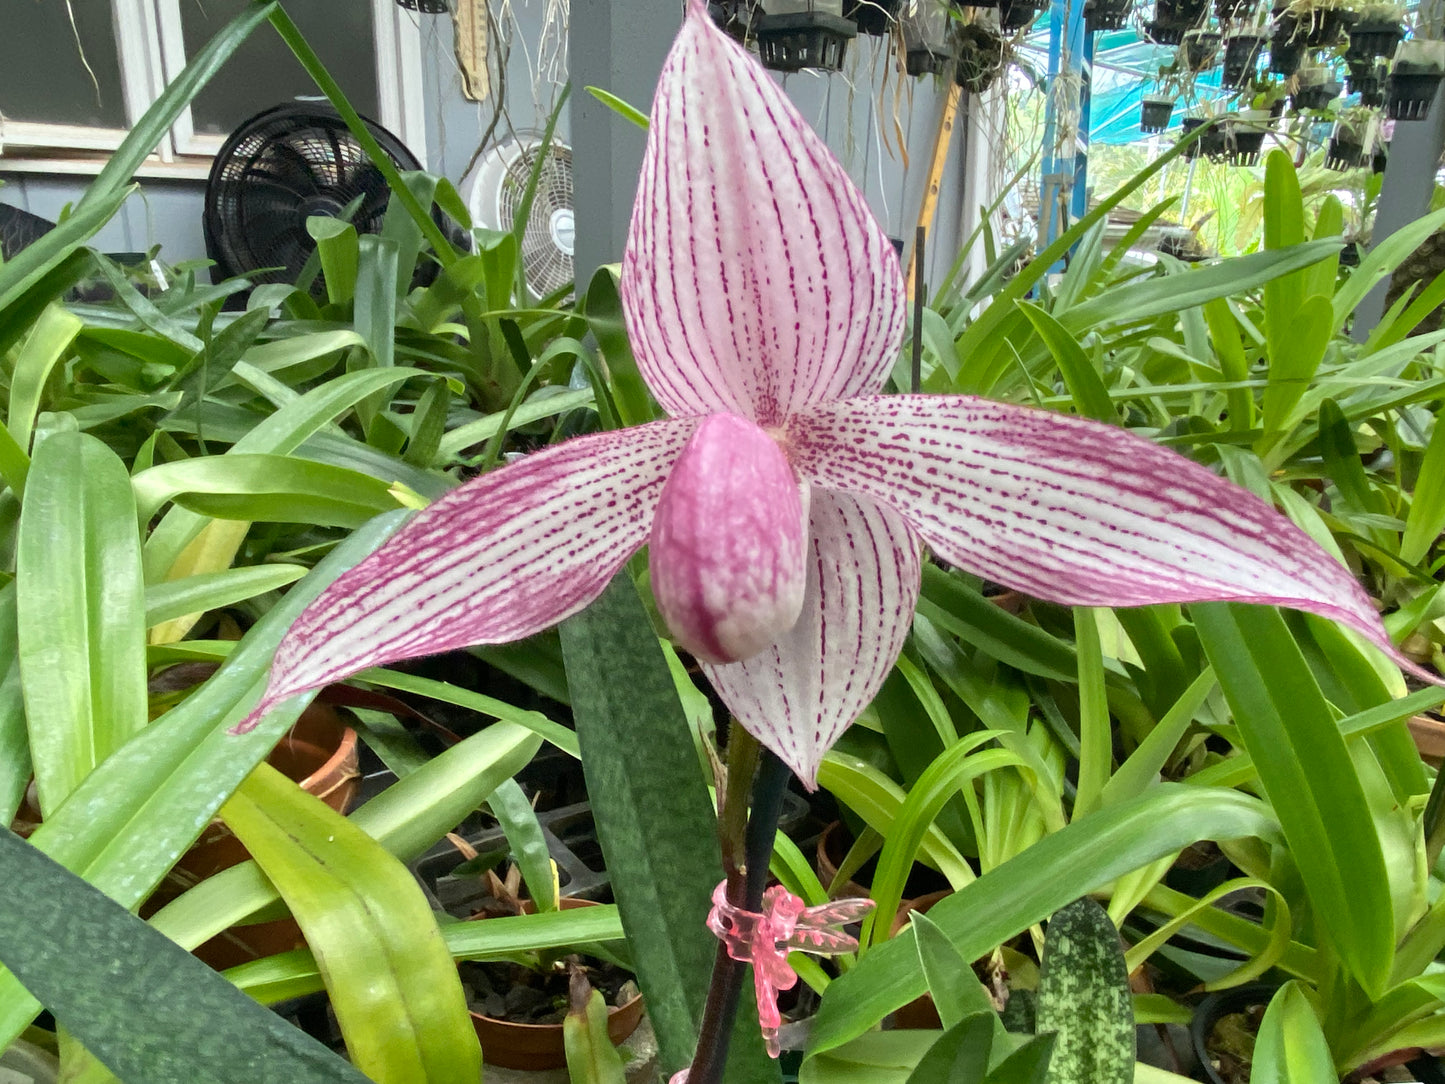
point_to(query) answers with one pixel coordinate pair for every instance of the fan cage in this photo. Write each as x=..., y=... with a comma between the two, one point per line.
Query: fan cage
x=276, y=170
x=547, y=242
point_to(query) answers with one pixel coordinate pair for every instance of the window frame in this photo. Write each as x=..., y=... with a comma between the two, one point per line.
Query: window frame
x=151, y=52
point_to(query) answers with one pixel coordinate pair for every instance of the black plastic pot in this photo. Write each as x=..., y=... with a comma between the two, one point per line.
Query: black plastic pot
x=1213, y=144
x=1154, y=116
x=1408, y=94
x=1316, y=97
x=1377, y=37
x=1107, y=14
x=1214, y=1008
x=1017, y=14
x=874, y=17
x=1344, y=153
x=1322, y=30
x=1285, y=54
x=1245, y=145
x=1199, y=48
x=1175, y=18
x=816, y=39
x=1241, y=55
x=1227, y=11
x=1367, y=79
x=920, y=62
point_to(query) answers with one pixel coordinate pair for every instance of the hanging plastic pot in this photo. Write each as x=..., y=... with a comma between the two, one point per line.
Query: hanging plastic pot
x=1244, y=138
x=980, y=52
x=1367, y=79
x=1344, y=151
x=1414, y=78
x=1172, y=18
x=1315, y=89
x=1017, y=14
x=1213, y=144
x=1370, y=38
x=1231, y=11
x=1199, y=49
x=1286, y=46
x=927, y=44
x=1241, y=56
x=1107, y=14
x=797, y=34
x=874, y=17
x=1155, y=112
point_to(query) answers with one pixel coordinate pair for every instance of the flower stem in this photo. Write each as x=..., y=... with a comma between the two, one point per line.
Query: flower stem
x=745, y=888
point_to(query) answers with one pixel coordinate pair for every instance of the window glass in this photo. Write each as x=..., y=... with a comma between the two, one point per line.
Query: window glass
x=263, y=72
x=43, y=59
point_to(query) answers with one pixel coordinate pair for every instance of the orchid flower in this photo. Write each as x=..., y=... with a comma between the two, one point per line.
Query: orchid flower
x=764, y=938
x=785, y=501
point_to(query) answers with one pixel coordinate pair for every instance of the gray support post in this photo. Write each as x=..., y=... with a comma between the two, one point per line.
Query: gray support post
x=618, y=45
x=1410, y=175
x=1404, y=195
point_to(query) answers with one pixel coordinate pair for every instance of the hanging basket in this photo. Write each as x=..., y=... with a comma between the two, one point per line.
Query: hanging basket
x=1285, y=54
x=1377, y=37
x=1367, y=79
x=875, y=17
x=1244, y=144
x=1213, y=144
x=1017, y=14
x=980, y=52
x=1107, y=14
x=1317, y=96
x=1344, y=152
x=1155, y=114
x=1241, y=56
x=1228, y=11
x=1199, y=49
x=1174, y=18
x=816, y=39
x=1408, y=94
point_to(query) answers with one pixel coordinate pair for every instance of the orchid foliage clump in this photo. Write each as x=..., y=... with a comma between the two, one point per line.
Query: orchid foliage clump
x=785, y=500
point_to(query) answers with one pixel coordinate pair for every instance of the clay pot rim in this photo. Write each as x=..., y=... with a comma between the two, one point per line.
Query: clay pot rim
x=566, y=903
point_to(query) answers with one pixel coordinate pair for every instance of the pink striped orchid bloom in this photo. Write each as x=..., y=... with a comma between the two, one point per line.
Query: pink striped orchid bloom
x=786, y=501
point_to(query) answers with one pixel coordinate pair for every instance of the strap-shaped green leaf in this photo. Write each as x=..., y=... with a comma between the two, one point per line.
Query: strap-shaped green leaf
x=654, y=821
x=392, y=983
x=1309, y=778
x=591, y=1057
x=1291, y=1046
x=1064, y=865
x=80, y=612
x=141, y=1003
x=133, y=816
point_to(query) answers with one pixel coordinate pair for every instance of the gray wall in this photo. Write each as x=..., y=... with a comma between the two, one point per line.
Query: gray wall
x=169, y=213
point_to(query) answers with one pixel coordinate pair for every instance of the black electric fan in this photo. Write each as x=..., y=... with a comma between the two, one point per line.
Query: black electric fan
x=280, y=168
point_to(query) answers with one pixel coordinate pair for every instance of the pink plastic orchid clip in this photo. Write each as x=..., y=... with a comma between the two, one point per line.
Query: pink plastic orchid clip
x=785, y=500
x=764, y=940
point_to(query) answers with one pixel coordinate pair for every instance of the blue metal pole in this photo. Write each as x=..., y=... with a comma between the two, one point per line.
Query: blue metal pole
x=1061, y=159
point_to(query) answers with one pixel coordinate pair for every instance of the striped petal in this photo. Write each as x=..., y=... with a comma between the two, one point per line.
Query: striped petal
x=498, y=559
x=754, y=279
x=800, y=694
x=1070, y=510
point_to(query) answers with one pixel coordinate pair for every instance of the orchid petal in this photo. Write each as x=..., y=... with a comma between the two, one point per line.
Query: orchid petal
x=1070, y=510
x=754, y=280
x=727, y=546
x=498, y=559
x=798, y=695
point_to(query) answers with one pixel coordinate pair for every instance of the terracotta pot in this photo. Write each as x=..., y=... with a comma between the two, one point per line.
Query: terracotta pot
x=920, y=1014
x=832, y=849
x=320, y=753
x=1429, y=735
x=511, y=1045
